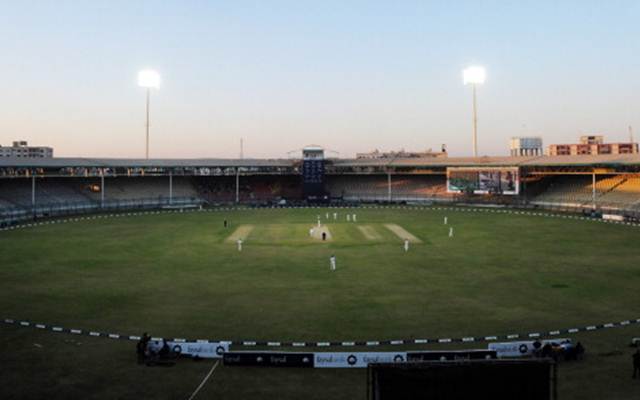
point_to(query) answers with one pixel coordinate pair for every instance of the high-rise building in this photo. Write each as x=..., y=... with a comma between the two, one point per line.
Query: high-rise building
x=526, y=146
x=592, y=145
x=21, y=149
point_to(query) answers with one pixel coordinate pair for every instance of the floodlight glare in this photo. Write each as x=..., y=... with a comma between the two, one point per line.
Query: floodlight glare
x=474, y=75
x=149, y=78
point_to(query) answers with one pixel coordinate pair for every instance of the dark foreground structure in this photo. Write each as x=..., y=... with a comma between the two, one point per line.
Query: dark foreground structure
x=467, y=379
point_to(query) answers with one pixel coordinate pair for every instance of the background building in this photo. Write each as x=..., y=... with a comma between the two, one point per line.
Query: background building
x=526, y=146
x=592, y=145
x=376, y=154
x=23, y=150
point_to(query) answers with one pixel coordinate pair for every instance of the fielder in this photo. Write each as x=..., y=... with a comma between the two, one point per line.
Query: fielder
x=332, y=262
x=348, y=218
x=354, y=218
x=311, y=232
x=239, y=244
x=406, y=245
x=327, y=215
x=450, y=232
x=335, y=216
x=445, y=220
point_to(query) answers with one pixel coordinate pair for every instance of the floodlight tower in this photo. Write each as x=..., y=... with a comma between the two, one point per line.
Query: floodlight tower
x=148, y=79
x=474, y=76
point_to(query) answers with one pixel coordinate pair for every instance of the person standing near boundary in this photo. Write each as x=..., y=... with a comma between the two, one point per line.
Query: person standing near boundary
x=142, y=347
x=225, y=223
x=332, y=262
x=445, y=220
x=450, y=232
x=335, y=216
x=406, y=245
x=239, y=244
x=348, y=217
x=636, y=364
x=354, y=218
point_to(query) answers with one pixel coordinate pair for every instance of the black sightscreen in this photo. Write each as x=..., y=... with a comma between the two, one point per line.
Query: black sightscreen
x=496, y=380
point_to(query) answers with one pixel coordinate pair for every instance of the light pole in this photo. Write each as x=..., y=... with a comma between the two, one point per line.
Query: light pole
x=148, y=79
x=474, y=76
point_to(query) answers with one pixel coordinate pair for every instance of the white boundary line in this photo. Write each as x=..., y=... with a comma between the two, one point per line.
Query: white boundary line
x=195, y=392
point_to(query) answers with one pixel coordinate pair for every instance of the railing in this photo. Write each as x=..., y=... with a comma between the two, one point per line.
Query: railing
x=10, y=215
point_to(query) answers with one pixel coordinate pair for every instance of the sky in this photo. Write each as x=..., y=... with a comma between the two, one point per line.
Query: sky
x=350, y=76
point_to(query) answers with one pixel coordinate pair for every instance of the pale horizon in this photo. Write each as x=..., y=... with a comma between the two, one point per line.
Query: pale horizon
x=349, y=77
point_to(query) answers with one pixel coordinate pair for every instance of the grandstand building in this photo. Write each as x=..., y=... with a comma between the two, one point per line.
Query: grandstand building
x=38, y=187
x=21, y=149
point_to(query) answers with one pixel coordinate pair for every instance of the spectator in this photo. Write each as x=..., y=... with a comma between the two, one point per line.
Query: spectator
x=537, y=346
x=142, y=347
x=164, y=350
x=636, y=363
x=579, y=351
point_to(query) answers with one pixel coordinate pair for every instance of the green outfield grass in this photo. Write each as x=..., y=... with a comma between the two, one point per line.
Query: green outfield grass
x=179, y=275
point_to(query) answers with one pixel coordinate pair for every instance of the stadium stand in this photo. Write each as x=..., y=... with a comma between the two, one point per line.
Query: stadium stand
x=567, y=190
x=376, y=187
x=614, y=191
x=258, y=188
x=73, y=185
x=624, y=193
x=17, y=192
x=125, y=188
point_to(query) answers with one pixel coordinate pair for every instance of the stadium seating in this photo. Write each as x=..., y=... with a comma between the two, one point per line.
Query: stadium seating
x=567, y=190
x=615, y=191
x=252, y=188
x=376, y=187
x=18, y=192
x=625, y=194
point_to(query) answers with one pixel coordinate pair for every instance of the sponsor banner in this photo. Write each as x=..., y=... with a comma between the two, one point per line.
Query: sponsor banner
x=522, y=348
x=356, y=359
x=419, y=356
x=268, y=359
x=613, y=217
x=200, y=349
x=482, y=180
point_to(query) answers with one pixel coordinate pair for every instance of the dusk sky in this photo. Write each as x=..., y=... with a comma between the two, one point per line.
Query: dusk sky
x=350, y=76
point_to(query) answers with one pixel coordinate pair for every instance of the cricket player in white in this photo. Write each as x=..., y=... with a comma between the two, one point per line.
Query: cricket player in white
x=311, y=232
x=406, y=245
x=239, y=244
x=318, y=223
x=445, y=220
x=327, y=215
x=450, y=232
x=354, y=218
x=332, y=262
x=348, y=218
x=335, y=215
